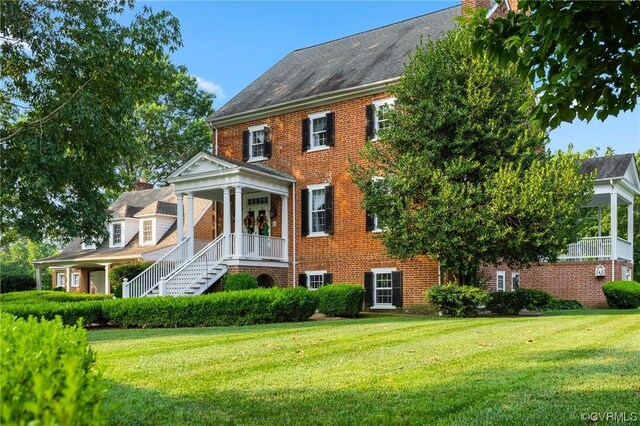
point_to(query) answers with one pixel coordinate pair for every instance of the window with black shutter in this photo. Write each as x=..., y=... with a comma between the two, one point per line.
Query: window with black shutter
x=331, y=137
x=318, y=131
x=304, y=211
x=386, y=288
x=302, y=280
x=328, y=279
x=256, y=143
x=317, y=210
x=368, y=289
x=267, y=142
x=370, y=221
x=369, y=113
x=305, y=134
x=396, y=278
x=245, y=145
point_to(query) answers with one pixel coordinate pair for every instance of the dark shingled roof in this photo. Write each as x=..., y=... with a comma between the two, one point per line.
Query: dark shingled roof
x=348, y=62
x=140, y=199
x=611, y=167
x=254, y=166
x=159, y=207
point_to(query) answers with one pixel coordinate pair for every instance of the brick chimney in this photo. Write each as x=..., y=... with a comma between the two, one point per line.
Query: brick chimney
x=142, y=184
x=474, y=5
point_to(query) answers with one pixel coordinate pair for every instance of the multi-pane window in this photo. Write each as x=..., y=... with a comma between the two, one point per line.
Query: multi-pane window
x=515, y=281
x=116, y=232
x=61, y=279
x=383, y=288
x=500, y=280
x=257, y=143
x=318, y=131
x=381, y=114
x=147, y=231
x=75, y=279
x=318, y=210
x=315, y=281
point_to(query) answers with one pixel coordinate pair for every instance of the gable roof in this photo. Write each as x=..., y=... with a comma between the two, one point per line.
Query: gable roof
x=612, y=167
x=372, y=56
x=159, y=207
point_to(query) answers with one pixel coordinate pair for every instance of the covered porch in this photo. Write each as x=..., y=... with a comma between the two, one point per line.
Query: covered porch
x=252, y=200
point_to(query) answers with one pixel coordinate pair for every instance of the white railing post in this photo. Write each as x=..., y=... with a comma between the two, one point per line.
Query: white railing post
x=125, y=289
x=162, y=287
x=284, y=214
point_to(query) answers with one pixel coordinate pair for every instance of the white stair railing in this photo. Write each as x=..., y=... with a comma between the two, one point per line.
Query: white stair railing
x=196, y=268
x=150, y=277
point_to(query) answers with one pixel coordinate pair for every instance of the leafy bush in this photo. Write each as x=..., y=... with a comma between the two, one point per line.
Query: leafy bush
x=91, y=312
x=60, y=289
x=341, y=300
x=505, y=302
x=622, y=294
x=457, y=300
x=240, y=281
x=50, y=296
x=563, y=304
x=12, y=279
x=258, y=306
x=534, y=299
x=47, y=374
x=128, y=271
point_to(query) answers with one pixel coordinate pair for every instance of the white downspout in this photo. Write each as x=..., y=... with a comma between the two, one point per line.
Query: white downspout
x=295, y=235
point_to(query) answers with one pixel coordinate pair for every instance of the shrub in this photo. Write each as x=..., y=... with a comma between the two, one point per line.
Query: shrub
x=91, y=312
x=48, y=375
x=622, y=294
x=240, y=281
x=60, y=289
x=128, y=271
x=534, y=299
x=457, y=300
x=505, y=302
x=341, y=300
x=50, y=296
x=16, y=280
x=563, y=304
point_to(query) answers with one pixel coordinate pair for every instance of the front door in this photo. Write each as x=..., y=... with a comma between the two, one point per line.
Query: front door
x=97, y=282
x=256, y=214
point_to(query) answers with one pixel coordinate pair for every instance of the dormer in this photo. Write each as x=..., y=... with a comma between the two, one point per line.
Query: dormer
x=123, y=226
x=154, y=221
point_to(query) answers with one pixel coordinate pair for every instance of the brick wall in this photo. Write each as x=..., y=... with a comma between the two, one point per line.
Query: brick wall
x=564, y=280
x=278, y=275
x=351, y=250
x=203, y=229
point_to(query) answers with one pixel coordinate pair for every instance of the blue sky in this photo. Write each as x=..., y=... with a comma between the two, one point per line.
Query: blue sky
x=227, y=45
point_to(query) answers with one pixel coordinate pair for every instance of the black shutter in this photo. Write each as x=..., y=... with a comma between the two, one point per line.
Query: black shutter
x=370, y=111
x=370, y=222
x=302, y=280
x=305, y=134
x=331, y=139
x=328, y=207
x=304, y=211
x=396, y=292
x=327, y=279
x=267, y=142
x=245, y=145
x=368, y=289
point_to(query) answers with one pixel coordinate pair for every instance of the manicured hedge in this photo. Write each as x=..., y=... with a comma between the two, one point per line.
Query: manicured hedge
x=240, y=281
x=563, y=304
x=47, y=374
x=128, y=271
x=225, y=308
x=622, y=294
x=341, y=300
x=15, y=280
x=50, y=296
x=456, y=300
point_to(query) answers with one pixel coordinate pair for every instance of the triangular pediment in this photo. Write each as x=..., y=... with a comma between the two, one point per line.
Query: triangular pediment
x=200, y=164
x=631, y=175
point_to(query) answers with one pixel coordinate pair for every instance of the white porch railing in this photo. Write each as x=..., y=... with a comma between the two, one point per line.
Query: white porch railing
x=260, y=247
x=597, y=248
x=196, y=268
x=149, y=278
x=624, y=249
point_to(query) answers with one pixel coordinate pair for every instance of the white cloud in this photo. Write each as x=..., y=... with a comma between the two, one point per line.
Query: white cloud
x=209, y=86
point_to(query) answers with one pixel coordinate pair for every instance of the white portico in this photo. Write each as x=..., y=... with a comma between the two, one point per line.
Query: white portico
x=252, y=233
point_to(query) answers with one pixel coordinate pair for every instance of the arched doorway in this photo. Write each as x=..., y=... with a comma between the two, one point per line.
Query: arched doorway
x=266, y=281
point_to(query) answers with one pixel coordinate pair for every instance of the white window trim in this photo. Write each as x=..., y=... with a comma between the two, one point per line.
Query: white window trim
x=376, y=229
x=58, y=275
x=377, y=271
x=502, y=274
x=153, y=232
x=86, y=246
x=309, y=274
x=122, y=233
x=253, y=129
x=513, y=275
x=73, y=276
x=377, y=104
x=312, y=188
x=311, y=118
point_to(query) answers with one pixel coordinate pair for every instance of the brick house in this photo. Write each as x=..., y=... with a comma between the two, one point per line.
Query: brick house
x=142, y=227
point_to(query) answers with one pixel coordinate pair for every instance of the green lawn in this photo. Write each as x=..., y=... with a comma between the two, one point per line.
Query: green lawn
x=377, y=370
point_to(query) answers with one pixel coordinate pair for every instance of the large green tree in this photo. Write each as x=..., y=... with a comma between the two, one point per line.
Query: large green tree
x=466, y=178
x=168, y=130
x=582, y=56
x=72, y=74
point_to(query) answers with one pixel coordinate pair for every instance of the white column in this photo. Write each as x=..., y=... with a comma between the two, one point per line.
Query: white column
x=107, y=284
x=190, y=232
x=38, y=278
x=630, y=224
x=68, y=278
x=284, y=212
x=614, y=232
x=180, y=217
x=226, y=220
x=238, y=227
